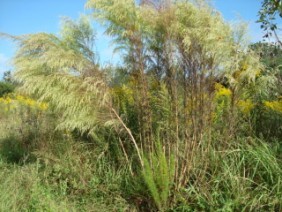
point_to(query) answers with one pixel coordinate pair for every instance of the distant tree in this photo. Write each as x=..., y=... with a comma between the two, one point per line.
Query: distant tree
x=5, y=88
x=7, y=85
x=7, y=76
x=270, y=11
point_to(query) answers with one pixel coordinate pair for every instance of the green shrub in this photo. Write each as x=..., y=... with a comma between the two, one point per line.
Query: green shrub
x=14, y=151
x=6, y=88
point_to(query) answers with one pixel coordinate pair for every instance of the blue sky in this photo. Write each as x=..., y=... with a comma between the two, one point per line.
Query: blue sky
x=31, y=16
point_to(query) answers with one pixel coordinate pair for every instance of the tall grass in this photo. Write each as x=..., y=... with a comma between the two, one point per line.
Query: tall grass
x=66, y=175
x=246, y=177
x=22, y=189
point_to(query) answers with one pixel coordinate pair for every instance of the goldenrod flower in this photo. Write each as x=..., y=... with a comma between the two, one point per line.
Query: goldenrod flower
x=29, y=102
x=24, y=101
x=20, y=98
x=222, y=91
x=43, y=106
x=246, y=106
x=274, y=105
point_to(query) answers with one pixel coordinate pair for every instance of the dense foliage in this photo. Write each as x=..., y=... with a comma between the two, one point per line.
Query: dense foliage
x=191, y=120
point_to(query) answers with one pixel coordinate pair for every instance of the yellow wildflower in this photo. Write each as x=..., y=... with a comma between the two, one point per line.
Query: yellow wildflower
x=222, y=91
x=29, y=102
x=258, y=73
x=24, y=101
x=20, y=98
x=42, y=106
x=246, y=106
x=274, y=105
x=6, y=100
